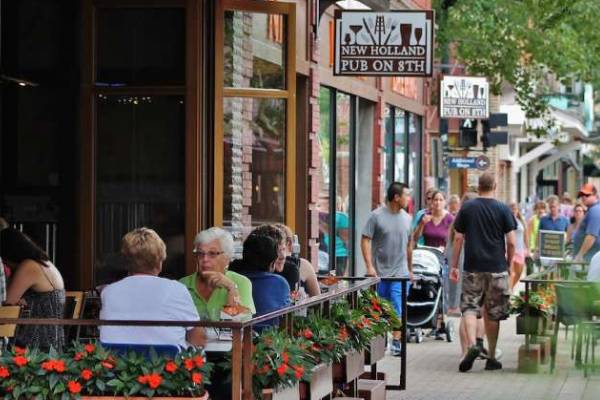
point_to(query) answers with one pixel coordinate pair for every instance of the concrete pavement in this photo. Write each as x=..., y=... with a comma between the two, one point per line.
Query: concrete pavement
x=432, y=373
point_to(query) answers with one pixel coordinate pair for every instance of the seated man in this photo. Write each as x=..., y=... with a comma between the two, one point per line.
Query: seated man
x=212, y=286
x=144, y=296
x=270, y=291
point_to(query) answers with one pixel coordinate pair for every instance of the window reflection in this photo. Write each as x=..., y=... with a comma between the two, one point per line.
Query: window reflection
x=414, y=159
x=342, y=184
x=140, y=177
x=254, y=168
x=324, y=176
x=254, y=51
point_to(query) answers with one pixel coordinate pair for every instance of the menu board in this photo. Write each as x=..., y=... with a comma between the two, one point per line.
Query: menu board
x=551, y=245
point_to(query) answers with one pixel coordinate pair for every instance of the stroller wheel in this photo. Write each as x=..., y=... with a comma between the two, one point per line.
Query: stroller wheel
x=418, y=335
x=450, y=332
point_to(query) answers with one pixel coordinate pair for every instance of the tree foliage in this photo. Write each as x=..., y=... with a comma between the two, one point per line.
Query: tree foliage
x=521, y=42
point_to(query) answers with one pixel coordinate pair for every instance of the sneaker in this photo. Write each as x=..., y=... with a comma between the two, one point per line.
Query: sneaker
x=492, y=365
x=396, y=348
x=483, y=353
x=467, y=363
x=432, y=333
x=439, y=336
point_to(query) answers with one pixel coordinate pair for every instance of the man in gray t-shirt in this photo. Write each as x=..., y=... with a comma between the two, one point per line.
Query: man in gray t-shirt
x=386, y=246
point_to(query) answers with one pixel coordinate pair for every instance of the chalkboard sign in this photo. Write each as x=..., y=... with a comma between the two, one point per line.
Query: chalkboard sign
x=551, y=245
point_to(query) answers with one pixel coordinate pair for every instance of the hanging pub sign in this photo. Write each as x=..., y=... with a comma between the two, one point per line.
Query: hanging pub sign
x=391, y=43
x=464, y=97
x=551, y=245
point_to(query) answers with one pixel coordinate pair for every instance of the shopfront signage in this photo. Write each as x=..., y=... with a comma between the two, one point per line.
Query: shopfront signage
x=552, y=245
x=391, y=43
x=464, y=97
x=480, y=162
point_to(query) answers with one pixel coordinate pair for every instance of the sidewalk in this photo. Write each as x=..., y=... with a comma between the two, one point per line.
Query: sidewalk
x=432, y=374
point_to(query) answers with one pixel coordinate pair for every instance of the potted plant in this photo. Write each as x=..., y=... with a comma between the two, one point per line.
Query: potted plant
x=87, y=371
x=325, y=348
x=355, y=330
x=382, y=318
x=279, y=363
x=532, y=313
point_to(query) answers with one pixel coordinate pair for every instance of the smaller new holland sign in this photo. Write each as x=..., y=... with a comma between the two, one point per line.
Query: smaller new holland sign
x=464, y=97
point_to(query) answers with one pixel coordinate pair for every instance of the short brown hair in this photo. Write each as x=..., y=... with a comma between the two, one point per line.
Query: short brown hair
x=143, y=250
x=552, y=199
x=486, y=182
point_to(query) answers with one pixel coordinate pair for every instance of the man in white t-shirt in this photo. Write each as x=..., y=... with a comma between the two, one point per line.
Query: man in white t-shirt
x=144, y=296
x=594, y=269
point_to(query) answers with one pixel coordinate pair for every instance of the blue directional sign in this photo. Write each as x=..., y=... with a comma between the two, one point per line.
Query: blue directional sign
x=462, y=162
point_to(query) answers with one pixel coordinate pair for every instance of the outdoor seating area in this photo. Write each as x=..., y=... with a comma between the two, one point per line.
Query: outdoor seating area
x=326, y=345
x=558, y=297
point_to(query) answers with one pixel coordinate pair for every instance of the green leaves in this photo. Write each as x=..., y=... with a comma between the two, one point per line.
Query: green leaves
x=522, y=42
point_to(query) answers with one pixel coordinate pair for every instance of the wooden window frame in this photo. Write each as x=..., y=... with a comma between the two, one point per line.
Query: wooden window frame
x=191, y=90
x=289, y=93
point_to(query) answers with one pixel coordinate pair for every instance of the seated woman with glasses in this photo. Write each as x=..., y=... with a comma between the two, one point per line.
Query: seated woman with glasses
x=143, y=295
x=213, y=287
x=270, y=291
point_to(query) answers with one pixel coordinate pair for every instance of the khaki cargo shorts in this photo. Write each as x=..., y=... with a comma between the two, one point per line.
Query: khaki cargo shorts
x=489, y=289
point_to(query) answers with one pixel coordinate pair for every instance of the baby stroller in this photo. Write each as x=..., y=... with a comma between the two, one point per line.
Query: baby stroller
x=425, y=302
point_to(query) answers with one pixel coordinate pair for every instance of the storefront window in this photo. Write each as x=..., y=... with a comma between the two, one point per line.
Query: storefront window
x=140, y=46
x=335, y=137
x=254, y=54
x=414, y=157
x=139, y=177
x=254, y=145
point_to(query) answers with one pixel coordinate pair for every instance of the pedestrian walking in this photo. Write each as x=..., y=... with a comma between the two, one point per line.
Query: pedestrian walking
x=533, y=225
x=587, y=240
x=575, y=221
x=522, y=247
x=386, y=247
x=554, y=220
x=421, y=213
x=486, y=226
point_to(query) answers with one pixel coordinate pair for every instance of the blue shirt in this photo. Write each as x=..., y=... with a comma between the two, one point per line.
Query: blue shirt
x=270, y=292
x=559, y=224
x=589, y=226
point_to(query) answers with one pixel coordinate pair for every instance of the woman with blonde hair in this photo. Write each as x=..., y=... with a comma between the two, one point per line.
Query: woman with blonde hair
x=521, y=248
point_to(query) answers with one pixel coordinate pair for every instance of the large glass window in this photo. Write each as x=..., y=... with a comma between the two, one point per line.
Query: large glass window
x=254, y=142
x=336, y=180
x=139, y=136
x=403, y=149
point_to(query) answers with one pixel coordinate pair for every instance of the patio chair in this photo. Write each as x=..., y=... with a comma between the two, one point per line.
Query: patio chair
x=143, y=349
x=7, y=331
x=574, y=306
x=73, y=310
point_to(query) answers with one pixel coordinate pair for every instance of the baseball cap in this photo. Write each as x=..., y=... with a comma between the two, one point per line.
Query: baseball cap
x=587, y=189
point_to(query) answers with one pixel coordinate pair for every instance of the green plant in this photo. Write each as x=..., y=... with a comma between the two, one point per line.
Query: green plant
x=89, y=369
x=279, y=361
x=325, y=344
x=534, y=304
x=352, y=326
x=380, y=312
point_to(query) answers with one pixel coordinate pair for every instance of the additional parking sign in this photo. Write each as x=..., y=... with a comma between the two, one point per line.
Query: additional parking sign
x=464, y=97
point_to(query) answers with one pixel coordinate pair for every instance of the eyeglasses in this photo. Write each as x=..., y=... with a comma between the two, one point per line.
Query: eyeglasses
x=429, y=198
x=585, y=194
x=209, y=254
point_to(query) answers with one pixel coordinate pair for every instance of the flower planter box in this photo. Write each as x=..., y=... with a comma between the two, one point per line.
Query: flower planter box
x=349, y=368
x=289, y=393
x=319, y=385
x=205, y=397
x=376, y=350
x=530, y=325
x=371, y=389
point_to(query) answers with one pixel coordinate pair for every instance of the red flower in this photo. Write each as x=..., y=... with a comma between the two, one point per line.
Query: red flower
x=375, y=316
x=197, y=378
x=285, y=357
x=48, y=365
x=199, y=361
x=154, y=380
x=74, y=386
x=20, y=351
x=282, y=369
x=59, y=366
x=170, y=367
x=4, y=372
x=143, y=379
x=87, y=374
x=188, y=364
x=264, y=369
x=20, y=361
x=78, y=356
x=316, y=347
x=307, y=333
x=89, y=348
x=299, y=371
x=107, y=364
